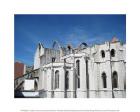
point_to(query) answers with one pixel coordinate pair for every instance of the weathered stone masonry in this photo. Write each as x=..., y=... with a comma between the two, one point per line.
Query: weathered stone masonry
x=97, y=71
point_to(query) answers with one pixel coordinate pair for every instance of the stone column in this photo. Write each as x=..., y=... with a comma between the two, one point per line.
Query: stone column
x=62, y=82
x=52, y=81
x=45, y=79
x=90, y=65
x=72, y=83
x=49, y=82
x=82, y=92
x=41, y=79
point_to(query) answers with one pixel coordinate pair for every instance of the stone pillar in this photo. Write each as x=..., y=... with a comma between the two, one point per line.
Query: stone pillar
x=52, y=81
x=82, y=91
x=95, y=80
x=45, y=79
x=49, y=83
x=62, y=82
x=72, y=82
x=41, y=79
x=91, y=79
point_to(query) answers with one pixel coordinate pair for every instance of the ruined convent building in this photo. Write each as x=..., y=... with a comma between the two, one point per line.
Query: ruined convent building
x=97, y=71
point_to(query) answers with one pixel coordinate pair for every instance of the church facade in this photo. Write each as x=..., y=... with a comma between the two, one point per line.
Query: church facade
x=97, y=71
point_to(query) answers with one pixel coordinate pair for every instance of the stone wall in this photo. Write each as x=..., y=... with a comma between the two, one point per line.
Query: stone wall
x=94, y=61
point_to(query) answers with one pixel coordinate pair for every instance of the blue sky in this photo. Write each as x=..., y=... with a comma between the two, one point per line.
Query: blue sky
x=29, y=30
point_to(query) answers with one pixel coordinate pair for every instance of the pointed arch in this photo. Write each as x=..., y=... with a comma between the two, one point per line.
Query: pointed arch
x=112, y=52
x=103, y=53
x=56, y=44
x=56, y=79
x=115, y=80
x=83, y=46
x=104, y=80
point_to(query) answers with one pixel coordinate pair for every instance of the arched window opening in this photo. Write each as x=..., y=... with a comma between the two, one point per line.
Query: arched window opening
x=53, y=59
x=56, y=79
x=78, y=73
x=112, y=53
x=103, y=53
x=67, y=80
x=104, y=80
x=115, y=80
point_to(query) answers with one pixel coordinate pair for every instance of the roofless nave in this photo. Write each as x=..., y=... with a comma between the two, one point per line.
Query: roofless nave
x=97, y=71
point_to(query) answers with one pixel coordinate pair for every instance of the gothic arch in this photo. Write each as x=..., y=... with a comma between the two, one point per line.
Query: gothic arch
x=103, y=53
x=56, y=79
x=115, y=79
x=56, y=44
x=104, y=80
x=112, y=52
x=83, y=45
